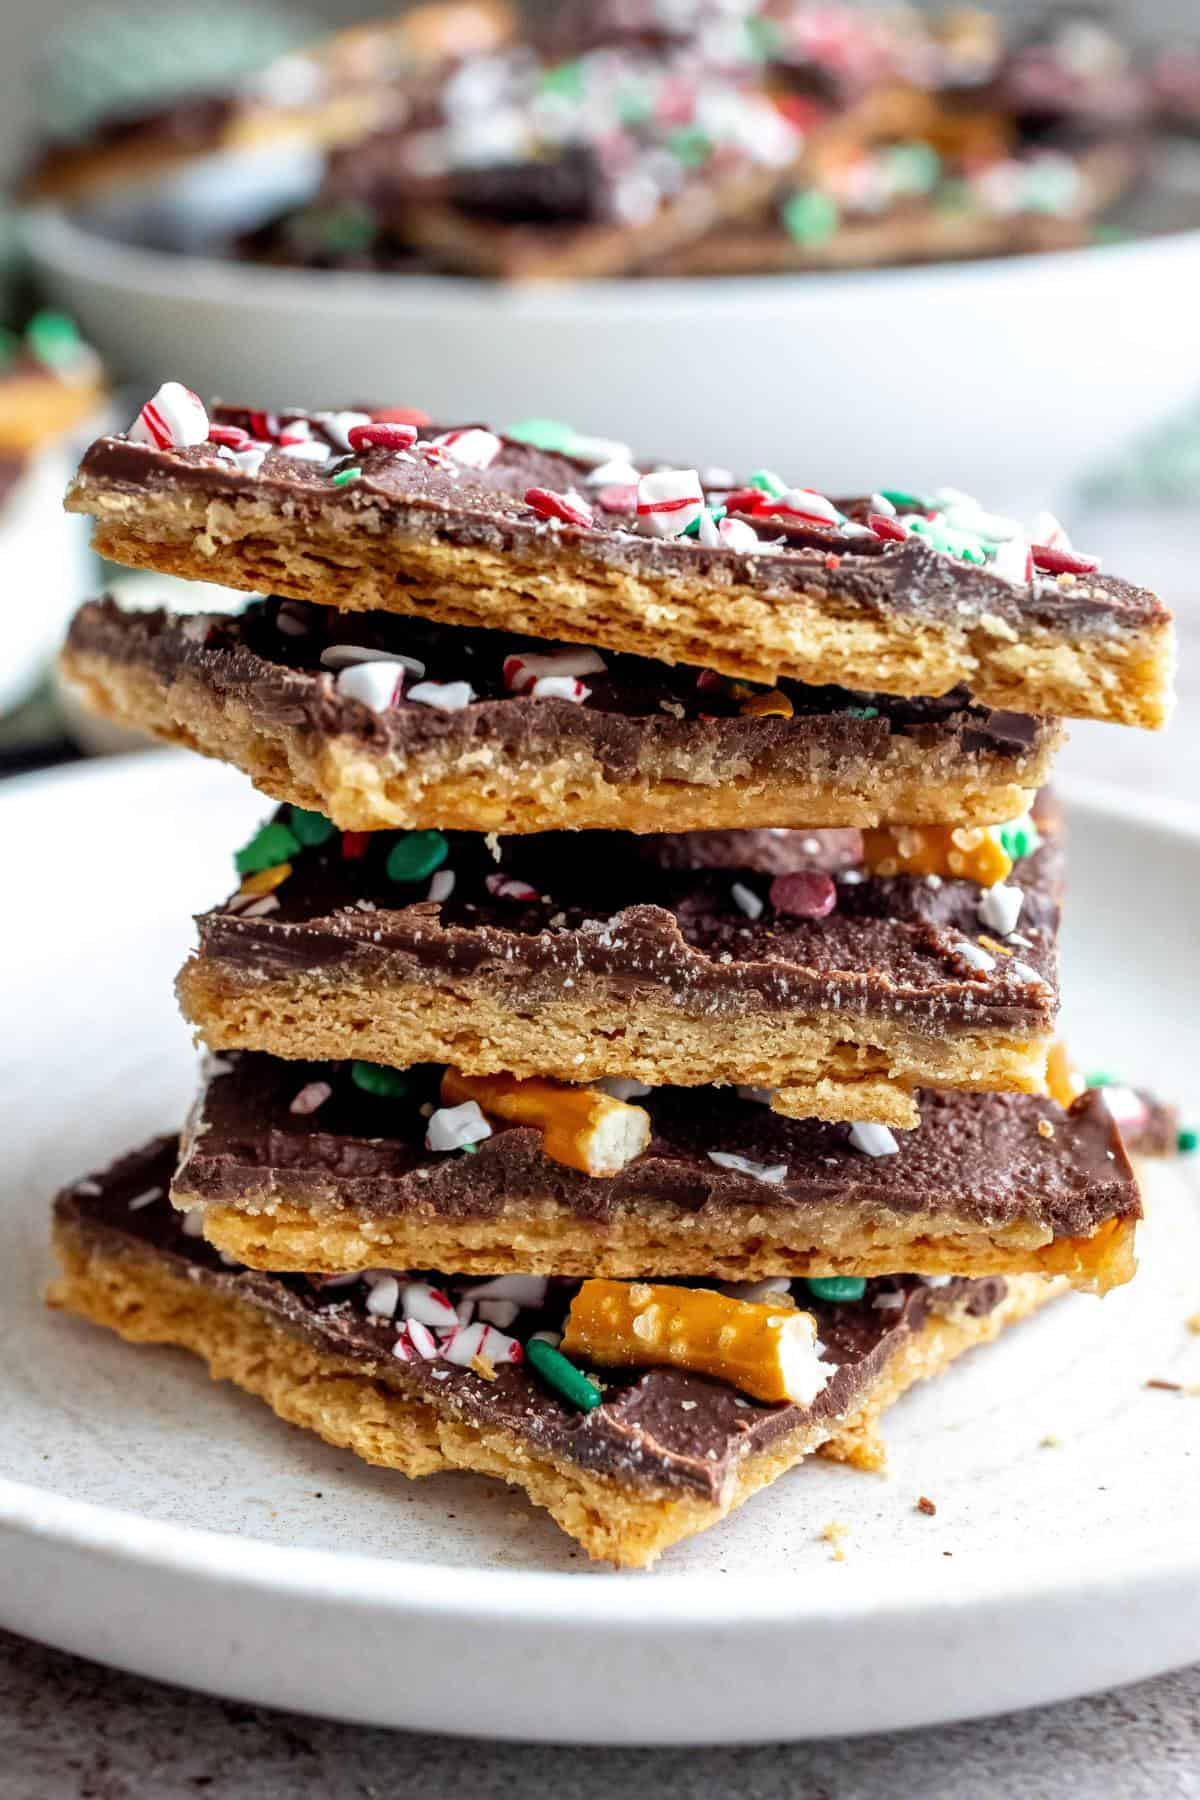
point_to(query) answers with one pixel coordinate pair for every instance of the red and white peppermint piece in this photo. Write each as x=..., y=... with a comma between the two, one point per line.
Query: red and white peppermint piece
x=379, y=685
x=444, y=696
x=804, y=894
x=174, y=419
x=337, y=426
x=346, y=656
x=305, y=450
x=600, y=453
x=559, y=687
x=507, y=887
x=400, y=415
x=471, y=446
x=483, y=1340
x=620, y=472
x=668, y=501
x=620, y=498
x=1013, y=562
x=402, y=1348
x=747, y=500
x=1047, y=530
x=453, y=1126
x=499, y=1312
x=310, y=1097
x=231, y=436
x=806, y=505
x=427, y=1305
x=568, y=509
x=525, y=1290
x=735, y=534
x=1063, y=562
x=384, y=1297
x=264, y=425
x=422, y=1340
x=382, y=437
x=522, y=673
x=887, y=527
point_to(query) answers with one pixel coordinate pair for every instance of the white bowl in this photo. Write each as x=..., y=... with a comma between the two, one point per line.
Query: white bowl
x=1009, y=378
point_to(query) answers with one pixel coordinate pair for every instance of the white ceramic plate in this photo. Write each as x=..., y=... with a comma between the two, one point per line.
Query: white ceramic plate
x=951, y=374
x=156, y=1522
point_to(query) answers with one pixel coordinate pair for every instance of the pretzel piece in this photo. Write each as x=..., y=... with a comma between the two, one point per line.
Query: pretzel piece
x=584, y=1129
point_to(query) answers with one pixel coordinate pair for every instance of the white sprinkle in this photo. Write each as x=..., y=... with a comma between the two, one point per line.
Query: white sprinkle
x=258, y=909
x=888, y=1302
x=882, y=505
x=999, y=908
x=755, y=1290
x=310, y=1097
x=349, y=656
x=522, y=1290
x=307, y=450
x=553, y=1338
x=937, y=1281
x=453, y=1126
x=772, y=1173
x=1126, y=1106
x=1023, y=972
x=377, y=685
x=736, y=534
x=747, y=900
x=873, y=1140
x=445, y=696
x=441, y=884
x=714, y=477
x=146, y=1199
x=87, y=1190
x=761, y=1096
x=975, y=956
x=618, y=473
x=601, y=453
x=193, y=1222
x=384, y=1298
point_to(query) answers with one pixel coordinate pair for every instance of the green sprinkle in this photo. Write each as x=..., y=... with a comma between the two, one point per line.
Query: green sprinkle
x=765, y=36
x=900, y=499
x=836, y=1287
x=1109, y=234
x=955, y=196
x=374, y=1078
x=559, y=1373
x=1101, y=1078
x=1187, y=1140
x=345, y=475
x=913, y=168
x=690, y=146
x=1020, y=837
x=863, y=712
x=810, y=217
x=768, y=483
x=544, y=434
x=469, y=1149
x=332, y=230
x=567, y=79
x=310, y=827
x=271, y=844
x=633, y=108
x=53, y=338
x=10, y=344
x=417, y=854
x=715, y=513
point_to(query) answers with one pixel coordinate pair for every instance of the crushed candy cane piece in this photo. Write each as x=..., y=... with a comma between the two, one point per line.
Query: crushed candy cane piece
x=427, y=1305
x=471, y=446
x=377, y=436
x=873, y=1140
x=622, y=1087
x=312, y=1095
x=453, y=1126
x=736, y=534
x=524, y=1290
x=175, y=419
x=337, y=426
x=306, y=450
x=999, y=908
x=378, y=685
x=522, y=673
x=746, y=900
x=421, y=1339
x=508, y=887
x=559, y=687
x=348, y=656
x=615, y=474
x=384, y=1298
x=480, y=1340
x=771, y=1173
x=976, y=957
x=568, y=509
x=668, y=501
x=444, y=696
x=599, y=452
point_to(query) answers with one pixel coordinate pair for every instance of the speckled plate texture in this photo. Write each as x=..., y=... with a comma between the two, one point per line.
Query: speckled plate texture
x=159, y=1523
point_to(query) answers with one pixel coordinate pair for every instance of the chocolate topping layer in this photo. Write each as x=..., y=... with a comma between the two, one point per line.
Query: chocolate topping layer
x=607, y=908
x=408, y=496
x=277, y=672
x=979, y=1158
x=665, y=1428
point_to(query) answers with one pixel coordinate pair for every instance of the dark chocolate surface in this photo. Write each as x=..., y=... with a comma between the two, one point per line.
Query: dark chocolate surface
x=414, y=498
x=979, y=1158
x=608, y=909
x=664, y=1428
x=278, y=674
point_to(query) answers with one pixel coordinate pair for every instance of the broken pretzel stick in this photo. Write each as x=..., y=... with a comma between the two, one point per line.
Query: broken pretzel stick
x=767, y=1351
x=974, y=853
x=584, y=1129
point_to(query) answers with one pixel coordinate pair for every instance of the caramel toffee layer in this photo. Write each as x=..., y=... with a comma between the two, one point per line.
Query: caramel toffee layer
x=269, y=657
x=614, y=910
x=407, y=496
x=975, y=1159
x=665, y=1428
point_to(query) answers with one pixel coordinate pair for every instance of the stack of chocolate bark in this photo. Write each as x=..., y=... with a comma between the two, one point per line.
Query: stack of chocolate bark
x=628, y=1164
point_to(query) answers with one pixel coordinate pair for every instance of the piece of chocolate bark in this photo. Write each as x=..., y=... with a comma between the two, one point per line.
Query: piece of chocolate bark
x=627, y=1460
x=328, y=1165
x=486, y=731
x=900, y=592
x=811, y=964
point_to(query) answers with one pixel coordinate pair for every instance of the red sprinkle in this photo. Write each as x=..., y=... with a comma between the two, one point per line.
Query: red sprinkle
x=1063, y=562
x=549, y=505
x=890, y=530
x=400, y=415
x=232, y=436
x=388, y=436
x=832, y=561
x=806, y=894
x=708, y=679
x=354, y=844
x=617, y=499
